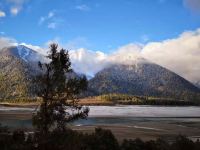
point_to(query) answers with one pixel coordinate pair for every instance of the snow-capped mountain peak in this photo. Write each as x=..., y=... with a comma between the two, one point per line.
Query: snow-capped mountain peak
x=28, y=55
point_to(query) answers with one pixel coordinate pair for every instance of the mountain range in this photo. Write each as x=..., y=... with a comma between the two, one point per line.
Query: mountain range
x=18, y=64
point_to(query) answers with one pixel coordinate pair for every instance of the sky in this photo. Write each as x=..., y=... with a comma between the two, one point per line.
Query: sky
x=163, y=31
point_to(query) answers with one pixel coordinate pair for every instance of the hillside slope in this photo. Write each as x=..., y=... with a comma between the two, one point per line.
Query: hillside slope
x=17, y=68
x=142, y=78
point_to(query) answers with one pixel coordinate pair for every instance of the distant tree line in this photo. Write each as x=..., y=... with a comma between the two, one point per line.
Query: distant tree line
x=126, y=99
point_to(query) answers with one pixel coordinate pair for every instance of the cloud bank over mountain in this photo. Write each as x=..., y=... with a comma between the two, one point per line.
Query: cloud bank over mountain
x=181, y=55
x=5, y=42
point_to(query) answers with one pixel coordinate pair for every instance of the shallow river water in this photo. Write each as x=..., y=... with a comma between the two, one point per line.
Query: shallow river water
x=108, y=115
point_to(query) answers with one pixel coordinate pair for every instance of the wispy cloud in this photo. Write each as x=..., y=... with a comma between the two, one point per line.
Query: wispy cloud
x=15, y=10
x=2, y=14
x=52, y=25
x=6, y=41
x=42, y=19
x=2, y=33
x=145, y=38
x=82, y=7
x=16, y=6
x=50, y=20
x=50, y=15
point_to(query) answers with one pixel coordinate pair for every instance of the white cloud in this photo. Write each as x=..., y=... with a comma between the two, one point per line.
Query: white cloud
x=181, y=55
x=5, y=42
x=15, y=10
x=127, y=54
x=193, y=5
x=16, y=6
x=82, y=7
x=88, y=62
x=2, y=14
x=36, y=48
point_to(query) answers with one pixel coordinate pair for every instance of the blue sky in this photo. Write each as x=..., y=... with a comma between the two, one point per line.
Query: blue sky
x=96, y=24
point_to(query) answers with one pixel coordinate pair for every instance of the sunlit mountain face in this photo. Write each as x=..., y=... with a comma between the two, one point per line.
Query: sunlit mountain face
x=23, y=53
x=18, y=65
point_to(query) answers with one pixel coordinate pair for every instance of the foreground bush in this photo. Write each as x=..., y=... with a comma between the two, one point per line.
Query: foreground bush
x=99, y=140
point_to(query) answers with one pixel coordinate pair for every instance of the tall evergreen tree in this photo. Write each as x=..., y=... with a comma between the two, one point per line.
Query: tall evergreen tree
x=58, y=90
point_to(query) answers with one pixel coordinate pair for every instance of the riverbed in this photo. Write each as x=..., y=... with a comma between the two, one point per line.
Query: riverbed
x=146, y=122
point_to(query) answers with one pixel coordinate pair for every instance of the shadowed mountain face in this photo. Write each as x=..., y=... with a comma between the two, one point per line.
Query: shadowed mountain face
x=142, y=78
x=18, y=65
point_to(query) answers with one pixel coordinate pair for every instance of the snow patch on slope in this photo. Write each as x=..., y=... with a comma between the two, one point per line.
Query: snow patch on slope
x=23, y=52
